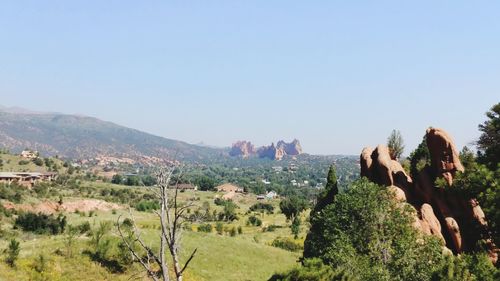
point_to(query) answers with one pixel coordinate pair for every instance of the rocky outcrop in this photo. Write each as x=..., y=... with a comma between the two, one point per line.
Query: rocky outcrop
x=378, y=166
x=275, y=152
x=444, y=156
x=293, y=148
x=271, y=152
x=459, y=222
x=242, y=148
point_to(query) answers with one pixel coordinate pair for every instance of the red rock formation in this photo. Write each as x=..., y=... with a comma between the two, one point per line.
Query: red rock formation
x=444, y=156
x=457, y=221
x=429, y=222
x=293, y=148
x=271, y=152
x=366, y=162
x=276, y=152
x=378, y=166
x=242, y=148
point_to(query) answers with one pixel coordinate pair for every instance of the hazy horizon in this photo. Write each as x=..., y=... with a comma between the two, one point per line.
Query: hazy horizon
x=336, y=76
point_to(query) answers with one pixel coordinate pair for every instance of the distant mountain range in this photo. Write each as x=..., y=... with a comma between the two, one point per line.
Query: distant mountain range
x=81, y=137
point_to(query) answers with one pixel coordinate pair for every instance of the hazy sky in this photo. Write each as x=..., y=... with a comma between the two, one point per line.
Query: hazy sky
x=338, y=75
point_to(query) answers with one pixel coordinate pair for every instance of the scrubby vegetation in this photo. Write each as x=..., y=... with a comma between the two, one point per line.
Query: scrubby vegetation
x=41, y=223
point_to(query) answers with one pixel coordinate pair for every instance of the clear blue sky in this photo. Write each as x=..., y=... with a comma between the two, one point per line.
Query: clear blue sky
x=338, y=75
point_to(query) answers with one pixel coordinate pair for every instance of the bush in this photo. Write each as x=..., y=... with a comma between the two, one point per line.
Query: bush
x=232, y=232
x=219, y=201
x=255, y=221
x=286, y=244
x=23, y=162
x=41, y=223
x=12, y=252
x=268, y=208
x=271, y=228
x=11, y=193
x=220, y=228
x=38, y=161
x=312, y=270
x=84, y=228
x=205, y=228
x=147, y=206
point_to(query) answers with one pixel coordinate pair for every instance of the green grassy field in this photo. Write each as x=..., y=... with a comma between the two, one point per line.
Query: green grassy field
x=247, y=256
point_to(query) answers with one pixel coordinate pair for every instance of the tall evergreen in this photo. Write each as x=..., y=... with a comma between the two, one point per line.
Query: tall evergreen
x=331, y=190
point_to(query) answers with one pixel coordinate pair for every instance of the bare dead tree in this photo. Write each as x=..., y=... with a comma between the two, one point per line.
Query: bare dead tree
x=171, y=216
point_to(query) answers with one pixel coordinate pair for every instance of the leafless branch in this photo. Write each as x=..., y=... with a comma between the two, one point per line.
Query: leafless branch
x=171, y=217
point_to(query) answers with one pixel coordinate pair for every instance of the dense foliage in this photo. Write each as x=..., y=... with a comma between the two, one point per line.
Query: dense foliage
x=287, y=244
x=147, y=206
x=262, y=207
x=489, y=141
x=312, y=270
x=477, y=181
x=419, y=158
x=41, y=223
x=365, y=233
x=292, y=206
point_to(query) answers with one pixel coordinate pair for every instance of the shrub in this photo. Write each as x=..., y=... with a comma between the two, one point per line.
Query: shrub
x=12, y=252
x=205, y=228
x=11, y=193
x=219, y=201
x=84, y=228
x=255, y=221
x=312, y=270
x=41, y=223
x=286, y=244
x=271, y=228
x=240, y=230
x=268, y=208
x=232, y=232
x=147, y=206
x=38, y=161
x=219, y=227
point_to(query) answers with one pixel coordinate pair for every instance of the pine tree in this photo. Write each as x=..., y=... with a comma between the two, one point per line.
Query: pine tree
x=326, y=197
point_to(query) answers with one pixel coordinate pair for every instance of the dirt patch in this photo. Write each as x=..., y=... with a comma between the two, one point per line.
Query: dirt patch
x=50, y=207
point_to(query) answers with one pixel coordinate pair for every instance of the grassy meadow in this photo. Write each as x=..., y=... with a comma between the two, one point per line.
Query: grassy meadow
x=245, y=256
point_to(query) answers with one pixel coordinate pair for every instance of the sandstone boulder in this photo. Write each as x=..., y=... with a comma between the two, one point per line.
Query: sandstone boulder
x=429, y=221
x=444, y=156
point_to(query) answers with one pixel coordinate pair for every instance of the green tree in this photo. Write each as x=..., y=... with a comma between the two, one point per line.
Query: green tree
x=38, y=161
x=13, y=252
x=328, y=194
x=481, y=267
x=98, y=239
x=489, y=141
x=292, y=206
x=117, y=179
x=69, y=241
x=295, y=227
x=477, y=181
x=205, y=183
x=365, y=232
x=133, y=181
x=396, y=144
x=453, y=269
x=419, y=158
